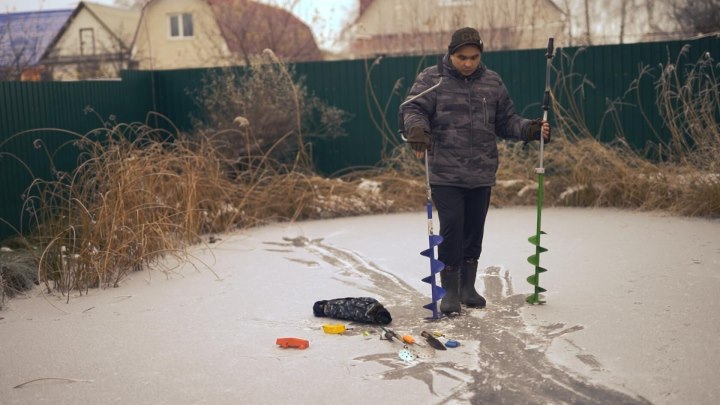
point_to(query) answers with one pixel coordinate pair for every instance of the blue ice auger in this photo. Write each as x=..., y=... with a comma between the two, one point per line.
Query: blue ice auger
x=436, y=266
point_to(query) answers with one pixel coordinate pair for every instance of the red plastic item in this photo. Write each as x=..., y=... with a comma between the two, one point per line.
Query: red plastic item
x=292, y=342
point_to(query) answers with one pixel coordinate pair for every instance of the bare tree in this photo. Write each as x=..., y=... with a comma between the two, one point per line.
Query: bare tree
x=651, y=16
x=249, y=27
x=401, y=27
x=20, y=47
x=617, y=21
x=623, y=18
x=696, y=16
x=588, y=28
x=567, y=7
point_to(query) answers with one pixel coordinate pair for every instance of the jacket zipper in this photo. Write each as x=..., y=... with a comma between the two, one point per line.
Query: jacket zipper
x=487, y=119
x=472, y=122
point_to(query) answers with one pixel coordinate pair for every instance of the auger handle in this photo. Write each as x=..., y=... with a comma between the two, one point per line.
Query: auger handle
x=550, y=48
x=549, y=55
x=401, y=120
x=546, y=98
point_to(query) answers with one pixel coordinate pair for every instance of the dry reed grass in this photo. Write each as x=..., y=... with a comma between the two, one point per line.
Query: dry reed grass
x=135, y=197
x=681, y=174
x=18, y=273
x=140, y=194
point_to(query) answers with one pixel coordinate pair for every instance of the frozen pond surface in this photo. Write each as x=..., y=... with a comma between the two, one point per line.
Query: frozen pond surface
x=631, y=318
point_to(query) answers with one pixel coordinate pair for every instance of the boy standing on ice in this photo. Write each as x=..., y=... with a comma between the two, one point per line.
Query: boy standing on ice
x=457, y=125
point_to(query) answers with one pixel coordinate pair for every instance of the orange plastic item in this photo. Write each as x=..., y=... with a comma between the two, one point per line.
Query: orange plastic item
x=408, y=339
x=292, y=342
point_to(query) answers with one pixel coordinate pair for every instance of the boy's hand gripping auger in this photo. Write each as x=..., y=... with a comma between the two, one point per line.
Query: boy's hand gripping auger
x=534, y=279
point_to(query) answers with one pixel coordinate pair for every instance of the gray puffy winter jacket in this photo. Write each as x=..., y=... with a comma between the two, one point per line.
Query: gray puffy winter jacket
x=463, y=116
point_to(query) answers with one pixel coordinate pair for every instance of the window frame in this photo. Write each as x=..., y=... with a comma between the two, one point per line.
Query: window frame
x=180, y=20
x=92, y=49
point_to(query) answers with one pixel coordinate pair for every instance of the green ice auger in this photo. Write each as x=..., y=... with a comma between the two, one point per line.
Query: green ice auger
x=534, y=279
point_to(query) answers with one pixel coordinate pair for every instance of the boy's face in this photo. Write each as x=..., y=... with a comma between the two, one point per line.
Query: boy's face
x=466, y=59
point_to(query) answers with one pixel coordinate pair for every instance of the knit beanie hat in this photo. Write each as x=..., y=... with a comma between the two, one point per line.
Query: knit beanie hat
x=465, y=36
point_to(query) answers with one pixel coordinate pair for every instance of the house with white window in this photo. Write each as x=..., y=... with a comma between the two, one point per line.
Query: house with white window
x=178, y=33
x=175, y=34
x=94, y=43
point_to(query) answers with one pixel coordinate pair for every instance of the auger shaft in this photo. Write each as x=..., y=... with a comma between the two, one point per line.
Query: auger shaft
x=436, y=266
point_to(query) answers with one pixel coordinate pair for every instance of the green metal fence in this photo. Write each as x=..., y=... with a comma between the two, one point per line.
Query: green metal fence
x=79, y=107
x=39, y=121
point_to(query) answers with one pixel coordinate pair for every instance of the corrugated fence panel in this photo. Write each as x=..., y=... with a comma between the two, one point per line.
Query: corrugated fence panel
x=612, y=69
x=523, y=73
x=177, y=100
x=39, y=122
x=344, y=84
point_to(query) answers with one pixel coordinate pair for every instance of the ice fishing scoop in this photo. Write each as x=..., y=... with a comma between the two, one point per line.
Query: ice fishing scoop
x=452, y=343
x=436, y=344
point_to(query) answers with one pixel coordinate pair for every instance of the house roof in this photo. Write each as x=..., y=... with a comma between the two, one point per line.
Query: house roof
x=364, y=4
x=24, y=37
x=119, y=22
x=249, y=27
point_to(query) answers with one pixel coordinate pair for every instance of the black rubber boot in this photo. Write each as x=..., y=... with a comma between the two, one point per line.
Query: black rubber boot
x=450, y=279
x=468, y=295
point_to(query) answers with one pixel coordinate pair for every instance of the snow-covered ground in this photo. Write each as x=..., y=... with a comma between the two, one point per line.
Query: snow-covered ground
x=632, y=317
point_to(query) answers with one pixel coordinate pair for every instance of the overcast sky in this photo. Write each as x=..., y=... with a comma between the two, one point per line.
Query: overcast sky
x=325, y=17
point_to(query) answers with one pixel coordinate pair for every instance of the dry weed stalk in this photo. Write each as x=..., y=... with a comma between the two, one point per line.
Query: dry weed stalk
x=688, y=99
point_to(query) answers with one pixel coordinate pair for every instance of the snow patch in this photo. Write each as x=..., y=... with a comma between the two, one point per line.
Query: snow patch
x=572, y=190
x=509, y=183
x=370, y=186
x=527, y=188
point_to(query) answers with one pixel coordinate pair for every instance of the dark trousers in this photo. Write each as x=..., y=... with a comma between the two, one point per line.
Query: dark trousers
x=462, y=213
